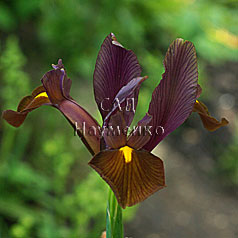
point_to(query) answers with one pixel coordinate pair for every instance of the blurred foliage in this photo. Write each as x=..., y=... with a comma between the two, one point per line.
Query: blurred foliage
x=45, y=190
x=46, y=187
x=227, y=166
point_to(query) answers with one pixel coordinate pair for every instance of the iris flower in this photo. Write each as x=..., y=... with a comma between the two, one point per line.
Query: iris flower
x=124, y=160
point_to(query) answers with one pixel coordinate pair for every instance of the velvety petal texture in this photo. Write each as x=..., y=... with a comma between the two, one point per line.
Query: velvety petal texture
x=55, y=92
x=173, y=99
x=53, y=82
x=27, y=104
x=115, y=67
x=57, y=86
x=125, y=162
x=209, y=122
x=132, y=175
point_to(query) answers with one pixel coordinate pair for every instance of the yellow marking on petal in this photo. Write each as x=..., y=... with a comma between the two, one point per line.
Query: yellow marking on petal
x=127, y=152
x=43, y=94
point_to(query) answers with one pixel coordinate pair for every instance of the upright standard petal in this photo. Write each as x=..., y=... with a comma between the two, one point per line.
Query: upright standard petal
x=115, y=67
x=209, y=122
x=27, y=104
x=173, y=99
x=132, y=175
x=57, y=85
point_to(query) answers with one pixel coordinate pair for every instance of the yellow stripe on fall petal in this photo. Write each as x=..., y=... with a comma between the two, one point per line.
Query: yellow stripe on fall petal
x=127, y=152
x=43, y=94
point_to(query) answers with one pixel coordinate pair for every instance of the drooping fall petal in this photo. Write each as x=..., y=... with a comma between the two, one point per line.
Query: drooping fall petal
x=55, y=92
x=132, y=175
x=173, y=99
x=57, y=86
x=209, y=122
x=115, y=67
x=27, y=104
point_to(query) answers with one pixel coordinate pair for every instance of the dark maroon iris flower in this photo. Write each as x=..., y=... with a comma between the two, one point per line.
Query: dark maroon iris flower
x=124, y=160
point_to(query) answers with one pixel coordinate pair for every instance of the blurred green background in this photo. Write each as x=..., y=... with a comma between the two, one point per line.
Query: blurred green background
x=47, y=190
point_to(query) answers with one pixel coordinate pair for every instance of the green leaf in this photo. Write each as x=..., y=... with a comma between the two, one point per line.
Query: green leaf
x=114, y=227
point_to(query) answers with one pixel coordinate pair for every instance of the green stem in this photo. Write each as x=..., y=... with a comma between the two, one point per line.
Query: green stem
x=114, y=227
